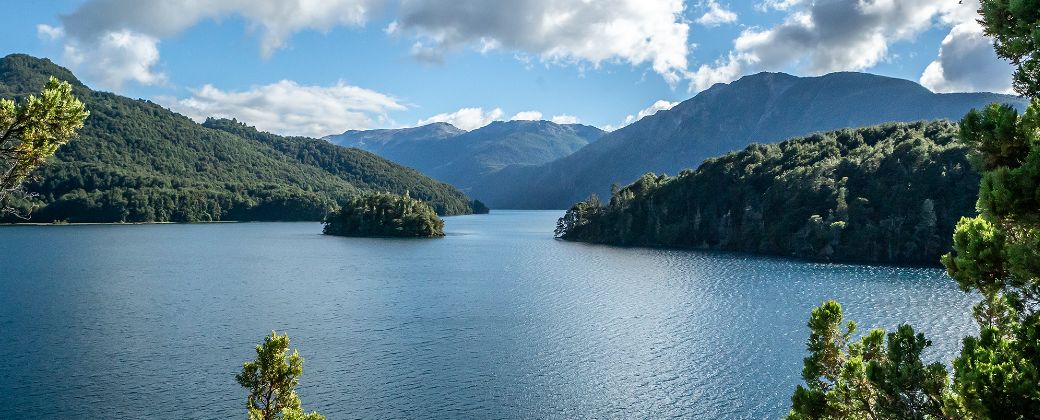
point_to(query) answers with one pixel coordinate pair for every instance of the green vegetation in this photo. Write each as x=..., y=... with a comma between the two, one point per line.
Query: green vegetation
x=31, y=132
x=137, y=162
x=479, y=207
x=882, y=194
x=385, y=214
x=874, y=377
x=758, y=108
x=1016, y=34
x=272, y=379
x=995, y=254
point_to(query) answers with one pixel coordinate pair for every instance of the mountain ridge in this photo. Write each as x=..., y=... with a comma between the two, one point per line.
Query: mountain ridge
x=759, y=108
x=135, y=161
x=460, y=157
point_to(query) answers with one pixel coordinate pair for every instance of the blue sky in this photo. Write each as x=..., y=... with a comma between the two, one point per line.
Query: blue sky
x=320, y=67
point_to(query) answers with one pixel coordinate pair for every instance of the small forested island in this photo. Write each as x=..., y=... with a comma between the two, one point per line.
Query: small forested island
x=883, y=194
x=381, y=214
x=479, y=207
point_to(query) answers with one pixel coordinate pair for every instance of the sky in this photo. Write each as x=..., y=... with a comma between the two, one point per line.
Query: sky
x=319, y=67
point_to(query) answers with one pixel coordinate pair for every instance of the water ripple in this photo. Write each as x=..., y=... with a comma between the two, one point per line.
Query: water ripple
x=129, y=322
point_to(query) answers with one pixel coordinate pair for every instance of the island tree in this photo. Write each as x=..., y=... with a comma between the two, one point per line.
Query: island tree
x=272, y=379
x=31, y=132
x=384, y=214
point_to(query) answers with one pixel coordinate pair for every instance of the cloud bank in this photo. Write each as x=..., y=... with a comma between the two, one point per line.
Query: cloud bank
x=559, y=31
x=102, y=34
x=288, y=108
x=842, y=35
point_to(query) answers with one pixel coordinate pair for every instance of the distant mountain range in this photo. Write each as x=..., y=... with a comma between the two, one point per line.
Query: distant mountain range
x=760, y=108
x=462, y=158
x=135, y=161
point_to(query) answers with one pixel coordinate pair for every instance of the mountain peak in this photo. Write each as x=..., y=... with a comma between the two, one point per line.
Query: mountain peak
x=25, y=73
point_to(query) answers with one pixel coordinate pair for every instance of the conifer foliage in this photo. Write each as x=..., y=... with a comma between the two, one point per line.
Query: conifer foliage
x=385, y=214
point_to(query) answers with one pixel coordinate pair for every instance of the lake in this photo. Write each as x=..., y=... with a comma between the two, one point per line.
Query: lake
x=496, y=320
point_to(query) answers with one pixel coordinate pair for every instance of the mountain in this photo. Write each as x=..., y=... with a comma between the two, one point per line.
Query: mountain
x=882, y=194
x=399, y=145
x=135, y=161
x=458, y=157
x=762, y=108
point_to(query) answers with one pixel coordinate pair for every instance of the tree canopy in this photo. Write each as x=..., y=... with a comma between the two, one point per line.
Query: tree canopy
x=134, y=161
x=32, y=131
x=996, y=255
x=1014, y=26
x=889, y=193
x=271, y=380
x=385, y=214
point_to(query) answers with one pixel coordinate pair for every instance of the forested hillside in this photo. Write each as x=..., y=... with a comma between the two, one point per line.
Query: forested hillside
x=135, y=161
x=883, y=194
x=760, y=108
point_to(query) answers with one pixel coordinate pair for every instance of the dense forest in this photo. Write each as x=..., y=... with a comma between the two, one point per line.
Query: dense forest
x=384, y=214
x=882, y=194
x=135, y=161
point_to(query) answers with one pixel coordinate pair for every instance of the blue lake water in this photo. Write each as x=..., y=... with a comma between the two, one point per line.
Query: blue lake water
x=497, y=320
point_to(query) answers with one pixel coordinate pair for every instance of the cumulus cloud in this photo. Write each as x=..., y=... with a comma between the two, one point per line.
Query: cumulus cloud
x=830, y=35
x=558, y=31
x=527, y=116
x=584, y=32
x=102, y=33
x=967, y=62
x=115, y=58
x=289, y=108
x=49, y=32
x=466, y=118
x=776, y=5
x=659, y=105
x=716, y=15
x=565, y=119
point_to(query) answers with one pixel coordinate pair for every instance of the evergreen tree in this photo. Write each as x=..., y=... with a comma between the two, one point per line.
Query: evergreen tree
x=847, y=195
x=272, y=379
x=384, y=214
x=1015, y=28
x=33, y=131
x=995, y=254
x=874, y=377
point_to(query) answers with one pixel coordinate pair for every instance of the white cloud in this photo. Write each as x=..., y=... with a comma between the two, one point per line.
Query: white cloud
x=659, y=105
x=115, y=58
x=527, y=116
x=831, y=35
x=557, y=31
x=103, y=33
x=967, y=62
x=466, y=118
x=579, y=32
x=776, y=5
x=722, y=71
x=565, y=119
x=716, y=15
x=289, y=108
x=49, y=32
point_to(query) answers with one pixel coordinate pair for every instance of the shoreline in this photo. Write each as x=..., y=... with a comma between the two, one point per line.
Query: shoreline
x=178, y=223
